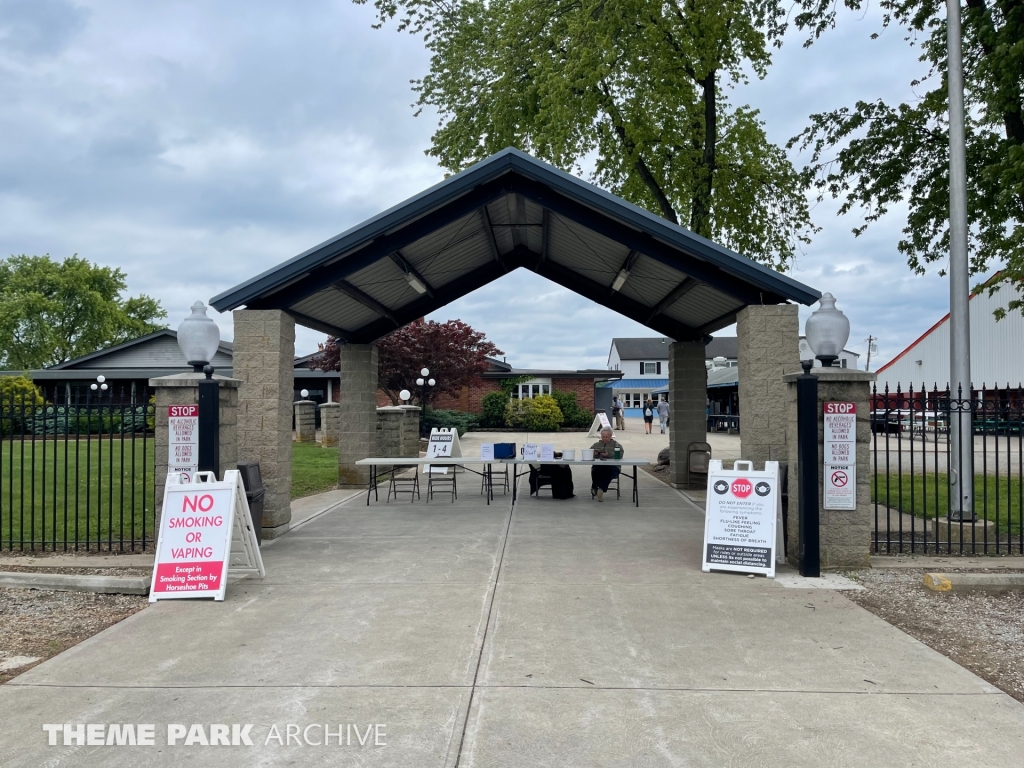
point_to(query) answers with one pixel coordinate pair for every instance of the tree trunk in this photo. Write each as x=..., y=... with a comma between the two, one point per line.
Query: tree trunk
x=700, y=210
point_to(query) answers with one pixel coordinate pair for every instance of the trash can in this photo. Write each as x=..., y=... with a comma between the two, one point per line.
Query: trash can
x=254, y=493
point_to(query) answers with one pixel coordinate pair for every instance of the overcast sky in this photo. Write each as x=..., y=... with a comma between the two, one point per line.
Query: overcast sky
x=196, y=144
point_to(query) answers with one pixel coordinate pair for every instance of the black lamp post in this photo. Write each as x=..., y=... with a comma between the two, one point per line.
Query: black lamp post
x=424, y=384
x=199, y=337
x=827, y=331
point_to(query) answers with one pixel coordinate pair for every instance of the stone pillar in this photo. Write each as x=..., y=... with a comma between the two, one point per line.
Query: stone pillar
x=845, y=534
x=264, y=361
x=305, y=421
x=769, y=347
x=330, y=424
x=410, y=432
x=688, y=387
x=357, y=396
x=183, y=389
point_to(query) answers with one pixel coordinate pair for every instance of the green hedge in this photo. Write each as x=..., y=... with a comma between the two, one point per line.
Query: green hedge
x=441, y=419
x=493, y=409
x=572, y=414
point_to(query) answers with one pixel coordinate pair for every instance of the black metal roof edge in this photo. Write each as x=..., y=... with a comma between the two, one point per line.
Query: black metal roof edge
x=497, y=164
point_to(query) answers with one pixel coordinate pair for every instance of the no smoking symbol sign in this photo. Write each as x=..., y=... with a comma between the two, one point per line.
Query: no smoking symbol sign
x=839, y=479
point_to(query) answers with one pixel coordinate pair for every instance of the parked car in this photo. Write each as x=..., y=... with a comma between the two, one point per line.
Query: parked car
x=886, y=422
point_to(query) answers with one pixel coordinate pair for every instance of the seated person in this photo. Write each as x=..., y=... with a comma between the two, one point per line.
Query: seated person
x=559, y=477
x=602, y=474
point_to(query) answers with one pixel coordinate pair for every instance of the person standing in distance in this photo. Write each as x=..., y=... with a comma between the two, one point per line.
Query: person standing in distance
x=649, y=416
x=663, y=414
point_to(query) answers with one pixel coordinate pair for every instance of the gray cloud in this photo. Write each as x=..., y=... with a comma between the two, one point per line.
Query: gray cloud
x=196, y=144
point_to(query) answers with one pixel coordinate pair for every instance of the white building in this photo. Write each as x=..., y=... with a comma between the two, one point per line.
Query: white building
x=997, y=348
x=644, y=366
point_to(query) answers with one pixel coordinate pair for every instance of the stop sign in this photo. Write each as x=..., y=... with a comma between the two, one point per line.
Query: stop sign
x=742, y=488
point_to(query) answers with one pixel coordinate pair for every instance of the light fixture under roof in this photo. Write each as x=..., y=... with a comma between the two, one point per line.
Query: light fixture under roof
x=415, y=283
x=620, y=279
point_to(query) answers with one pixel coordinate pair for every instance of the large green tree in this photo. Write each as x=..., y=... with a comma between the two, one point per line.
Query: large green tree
x=876, y=155
x=52, y=311
x=639, y=90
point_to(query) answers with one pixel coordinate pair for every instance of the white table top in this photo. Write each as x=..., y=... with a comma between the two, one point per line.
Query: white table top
x=409, y=461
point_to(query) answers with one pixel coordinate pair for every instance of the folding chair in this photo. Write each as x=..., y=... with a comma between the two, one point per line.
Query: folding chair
x=498, y=480
x=442, y=481
x=410, y=485
x=698, y=461
x=615, y=484
x=538, y=479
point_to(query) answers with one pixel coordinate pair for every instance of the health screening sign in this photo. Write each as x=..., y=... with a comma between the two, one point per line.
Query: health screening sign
x=194, y=547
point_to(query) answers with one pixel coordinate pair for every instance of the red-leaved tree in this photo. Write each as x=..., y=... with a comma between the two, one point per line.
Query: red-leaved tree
x=453, y=351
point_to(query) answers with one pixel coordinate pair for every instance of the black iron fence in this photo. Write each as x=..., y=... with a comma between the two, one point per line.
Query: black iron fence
x=77, y=471
x=947, y=471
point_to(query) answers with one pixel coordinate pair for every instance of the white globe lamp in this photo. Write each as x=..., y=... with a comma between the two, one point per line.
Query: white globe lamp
x=827, y=331
x=198, y=337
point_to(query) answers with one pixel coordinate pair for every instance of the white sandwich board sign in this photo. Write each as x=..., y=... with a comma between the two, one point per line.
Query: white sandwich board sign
x=443, y=444
x=742, y=519
x=600, y=422
x=206, y=534
x=840, y=471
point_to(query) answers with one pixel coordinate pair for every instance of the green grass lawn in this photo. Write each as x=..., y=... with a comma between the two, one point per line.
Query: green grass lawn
x=995, y=500
x=63, y=491
x=87, y=495
x=314, y=469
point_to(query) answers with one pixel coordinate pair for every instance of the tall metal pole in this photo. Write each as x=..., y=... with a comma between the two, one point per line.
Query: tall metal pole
x=961, y=474
x=808, y=467
x=209, y=423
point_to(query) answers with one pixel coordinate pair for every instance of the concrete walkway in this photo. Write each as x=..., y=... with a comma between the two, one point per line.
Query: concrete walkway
x=558, y=633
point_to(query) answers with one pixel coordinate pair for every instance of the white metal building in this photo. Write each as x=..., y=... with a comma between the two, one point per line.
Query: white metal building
x=997, y=348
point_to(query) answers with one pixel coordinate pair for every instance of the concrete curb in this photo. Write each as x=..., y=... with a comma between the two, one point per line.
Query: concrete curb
x=966, y=582
x=67, y=582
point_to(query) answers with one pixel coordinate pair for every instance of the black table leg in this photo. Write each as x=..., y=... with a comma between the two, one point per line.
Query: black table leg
x=515, y=479
x=636, y=488
x=371, y=483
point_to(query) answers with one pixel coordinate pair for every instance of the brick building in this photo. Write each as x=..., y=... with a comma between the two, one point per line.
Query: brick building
x=541, y=382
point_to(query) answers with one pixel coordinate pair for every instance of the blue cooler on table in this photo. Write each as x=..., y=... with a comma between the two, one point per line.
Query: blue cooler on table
x=504, y=450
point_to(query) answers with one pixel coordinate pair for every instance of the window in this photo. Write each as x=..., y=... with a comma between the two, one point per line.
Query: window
x=650, y=368
x=534, y=388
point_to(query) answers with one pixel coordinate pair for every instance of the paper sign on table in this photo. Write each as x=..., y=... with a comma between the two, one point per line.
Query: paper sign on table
x=547, y=451
x=487, y=451
x=530, y=451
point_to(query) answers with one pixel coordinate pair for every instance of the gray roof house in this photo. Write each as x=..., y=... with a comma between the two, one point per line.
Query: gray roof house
x=128, y=367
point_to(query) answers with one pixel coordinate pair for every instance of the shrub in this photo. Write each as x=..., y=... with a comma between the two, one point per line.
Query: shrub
x=19, y=400
x=542, y=414
x=515, y=412
x=572, y=414
x=442, y=419
x=493, y=409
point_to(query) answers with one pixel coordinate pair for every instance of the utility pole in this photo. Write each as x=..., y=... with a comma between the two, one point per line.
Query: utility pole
x=961, y=474
x=871, y=343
